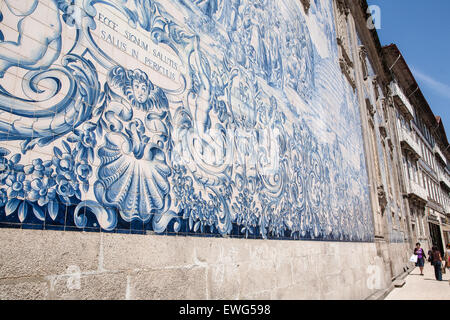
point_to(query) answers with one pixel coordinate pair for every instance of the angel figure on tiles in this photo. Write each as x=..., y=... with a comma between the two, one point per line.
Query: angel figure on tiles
x=133, y=173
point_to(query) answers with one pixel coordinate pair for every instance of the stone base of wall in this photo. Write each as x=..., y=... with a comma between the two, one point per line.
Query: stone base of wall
x=399, y=256
x=80, y=265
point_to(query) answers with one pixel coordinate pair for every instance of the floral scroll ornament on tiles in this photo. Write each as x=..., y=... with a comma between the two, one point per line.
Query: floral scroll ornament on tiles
x=42, y=186
x=132, y=177
x=218, y=154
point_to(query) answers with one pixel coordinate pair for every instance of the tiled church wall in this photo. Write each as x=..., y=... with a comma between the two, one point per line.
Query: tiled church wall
x=228, y=129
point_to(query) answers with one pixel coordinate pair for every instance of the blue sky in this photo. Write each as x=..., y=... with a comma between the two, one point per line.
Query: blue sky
x=421, y=31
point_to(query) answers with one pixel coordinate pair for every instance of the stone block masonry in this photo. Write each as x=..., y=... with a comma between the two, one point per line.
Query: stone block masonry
x=86, y=265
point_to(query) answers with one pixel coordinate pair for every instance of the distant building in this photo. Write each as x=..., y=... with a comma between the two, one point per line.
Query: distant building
x=425, y=155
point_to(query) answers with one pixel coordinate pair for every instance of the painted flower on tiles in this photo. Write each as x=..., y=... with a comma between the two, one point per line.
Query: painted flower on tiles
x=41, y=191
x=85, y=141
x=84, y=171
x=17, y=185
x=64, y=163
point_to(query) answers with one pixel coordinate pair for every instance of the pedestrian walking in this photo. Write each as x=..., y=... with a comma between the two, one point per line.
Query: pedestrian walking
x=447, y=257
x=430, y=256
x=420, y=253
x=437, y=263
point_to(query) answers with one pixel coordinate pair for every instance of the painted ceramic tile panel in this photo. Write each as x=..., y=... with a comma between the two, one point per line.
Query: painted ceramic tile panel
x=208, y=117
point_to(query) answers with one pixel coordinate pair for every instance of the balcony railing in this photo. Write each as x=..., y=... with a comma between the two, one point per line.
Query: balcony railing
x=438, y=152
x=443, y=177
x=401, y=100
x=417, y=191
x=408, y=142
x=447, y=209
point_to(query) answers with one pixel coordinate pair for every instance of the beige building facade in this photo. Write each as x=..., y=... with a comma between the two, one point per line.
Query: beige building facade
x=424, y=156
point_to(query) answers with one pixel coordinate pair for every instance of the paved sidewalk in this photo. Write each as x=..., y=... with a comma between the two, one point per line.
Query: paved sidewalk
x=424, y=287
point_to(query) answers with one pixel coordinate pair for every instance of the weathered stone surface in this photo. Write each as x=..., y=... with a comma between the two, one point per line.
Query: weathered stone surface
x=224, y=281
x=222, y=251
x=24, y=290
x=130, y=252
x=283, y=273
x=299, y=269
x=169, y=283
x=25, y=253
x=295, y=292
x=265, y=295
x=115, y=266
x=104, y=286
x=257, y=276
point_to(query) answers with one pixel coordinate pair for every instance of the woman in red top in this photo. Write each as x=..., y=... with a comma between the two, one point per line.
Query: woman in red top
x=437, y=263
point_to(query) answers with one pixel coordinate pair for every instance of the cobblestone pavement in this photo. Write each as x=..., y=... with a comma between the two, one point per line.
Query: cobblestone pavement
x=424, y=287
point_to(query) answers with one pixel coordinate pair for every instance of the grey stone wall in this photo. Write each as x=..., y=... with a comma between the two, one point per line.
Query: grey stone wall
x=80, y=265
x=399, y=257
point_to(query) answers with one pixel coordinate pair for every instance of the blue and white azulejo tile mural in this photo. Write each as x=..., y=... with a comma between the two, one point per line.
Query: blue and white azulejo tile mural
x=208, y=117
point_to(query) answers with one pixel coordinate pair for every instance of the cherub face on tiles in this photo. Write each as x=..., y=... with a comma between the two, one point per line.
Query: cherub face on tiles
x=140, y=90
x=137, y=88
